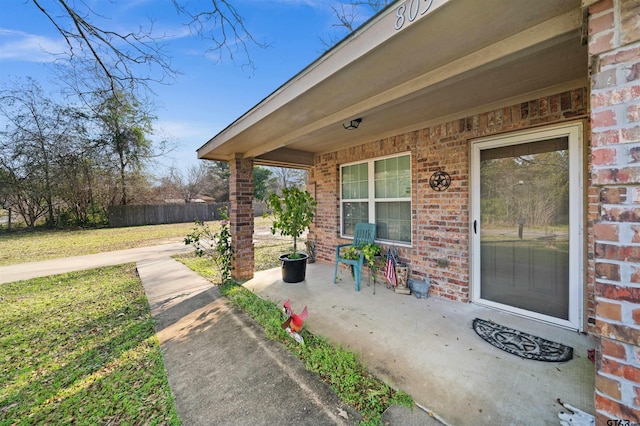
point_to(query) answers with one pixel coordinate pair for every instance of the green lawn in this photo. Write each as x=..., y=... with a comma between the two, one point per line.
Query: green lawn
x=80, y=348
x=29, y=246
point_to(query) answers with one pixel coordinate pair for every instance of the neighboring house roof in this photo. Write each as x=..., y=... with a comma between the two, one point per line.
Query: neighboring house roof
x=455, y=60
x=181, y=201
x=205, y=199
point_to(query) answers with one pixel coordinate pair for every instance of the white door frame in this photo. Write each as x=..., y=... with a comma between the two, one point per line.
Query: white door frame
x=574, y=132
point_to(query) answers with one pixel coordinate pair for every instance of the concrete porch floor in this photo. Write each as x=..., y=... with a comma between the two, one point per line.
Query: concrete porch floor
x=428, y=349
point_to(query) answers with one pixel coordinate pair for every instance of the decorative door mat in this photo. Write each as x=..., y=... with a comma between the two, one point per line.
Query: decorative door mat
x=521, y=344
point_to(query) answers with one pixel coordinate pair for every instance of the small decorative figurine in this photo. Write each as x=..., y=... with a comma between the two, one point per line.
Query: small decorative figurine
x=294, y=321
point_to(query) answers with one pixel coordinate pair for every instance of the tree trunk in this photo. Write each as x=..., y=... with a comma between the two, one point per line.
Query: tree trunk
x=123, y=182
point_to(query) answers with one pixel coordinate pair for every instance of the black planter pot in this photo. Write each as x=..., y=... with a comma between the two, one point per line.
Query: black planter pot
x=294, y=270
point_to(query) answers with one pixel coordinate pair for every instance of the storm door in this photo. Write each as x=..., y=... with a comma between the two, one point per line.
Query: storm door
x=527, y=223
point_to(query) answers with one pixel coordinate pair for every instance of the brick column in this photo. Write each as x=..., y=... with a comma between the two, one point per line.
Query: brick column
x=241, y=217
x=614, y=54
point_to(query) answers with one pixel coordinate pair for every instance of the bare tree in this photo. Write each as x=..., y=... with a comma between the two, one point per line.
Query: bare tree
x=349, y=15
x=195, y=182
x=99, y=57
x=38, y=134
x=284, y=177
x=187, y=188
x=5, y=194
x=222, y=25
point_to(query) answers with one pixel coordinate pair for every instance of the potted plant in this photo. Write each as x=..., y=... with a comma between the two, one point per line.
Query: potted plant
x=292, y=215
x=371, y=252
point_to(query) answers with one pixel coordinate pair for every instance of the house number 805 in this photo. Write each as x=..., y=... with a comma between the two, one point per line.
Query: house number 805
x=410, y=10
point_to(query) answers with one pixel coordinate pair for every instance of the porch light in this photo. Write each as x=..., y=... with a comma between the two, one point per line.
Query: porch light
x=353, y=124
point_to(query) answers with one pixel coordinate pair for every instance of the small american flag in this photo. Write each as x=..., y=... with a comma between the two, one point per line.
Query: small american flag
x=390, y=269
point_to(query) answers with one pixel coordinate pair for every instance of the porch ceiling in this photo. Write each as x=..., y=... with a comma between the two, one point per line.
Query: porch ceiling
x=459, y=58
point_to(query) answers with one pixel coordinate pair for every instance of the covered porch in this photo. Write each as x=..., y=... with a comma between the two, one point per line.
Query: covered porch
x=422, y=79
x=433, y=80
x=427, y=348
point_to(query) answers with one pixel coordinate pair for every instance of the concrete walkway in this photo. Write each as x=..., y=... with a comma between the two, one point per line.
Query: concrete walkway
x=220, y=366
x=42, y=268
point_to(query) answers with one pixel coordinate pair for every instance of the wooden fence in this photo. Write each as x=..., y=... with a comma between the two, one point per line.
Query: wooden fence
x=122, y=216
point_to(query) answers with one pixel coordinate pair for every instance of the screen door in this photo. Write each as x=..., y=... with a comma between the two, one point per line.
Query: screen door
x=523, y=224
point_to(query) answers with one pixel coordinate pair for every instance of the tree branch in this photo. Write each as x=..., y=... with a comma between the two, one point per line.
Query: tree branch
x=100, y=58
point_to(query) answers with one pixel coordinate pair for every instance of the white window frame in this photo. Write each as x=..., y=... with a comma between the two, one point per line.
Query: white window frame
x=372, y=199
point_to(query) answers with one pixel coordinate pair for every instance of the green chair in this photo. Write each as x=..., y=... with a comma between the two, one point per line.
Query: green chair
x=365, y=233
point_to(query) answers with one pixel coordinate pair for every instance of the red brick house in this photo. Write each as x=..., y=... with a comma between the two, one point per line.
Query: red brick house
x=493, y=143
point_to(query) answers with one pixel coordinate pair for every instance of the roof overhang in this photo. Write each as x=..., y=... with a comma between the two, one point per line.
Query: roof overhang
x=458, y=58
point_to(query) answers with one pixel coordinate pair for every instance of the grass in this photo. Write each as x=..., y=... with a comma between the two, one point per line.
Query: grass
x=338, y=367
x=80, y=348
x=28, y=246
x=31, y=245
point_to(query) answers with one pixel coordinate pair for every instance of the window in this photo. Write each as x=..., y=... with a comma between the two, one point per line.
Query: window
x=378, y=191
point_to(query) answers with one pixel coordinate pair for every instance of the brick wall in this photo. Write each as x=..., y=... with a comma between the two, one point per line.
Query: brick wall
x=614, y=50
x=241, y=217
x=440, y=219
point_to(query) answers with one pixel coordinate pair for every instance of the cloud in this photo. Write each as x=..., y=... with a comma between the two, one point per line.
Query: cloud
x=21, y=46
x=174, y=32
x=312, y=3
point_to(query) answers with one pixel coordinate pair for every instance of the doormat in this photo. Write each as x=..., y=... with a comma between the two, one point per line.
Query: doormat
x=521, y=344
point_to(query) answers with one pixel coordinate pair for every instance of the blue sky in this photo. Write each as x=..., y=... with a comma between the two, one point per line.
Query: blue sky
x=208, y=95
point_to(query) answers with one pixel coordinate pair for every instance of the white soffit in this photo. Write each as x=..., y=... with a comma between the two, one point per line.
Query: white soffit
x=459, y=56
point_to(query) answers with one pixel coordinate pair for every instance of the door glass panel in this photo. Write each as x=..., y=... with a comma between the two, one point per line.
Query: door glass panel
x=524, y=212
